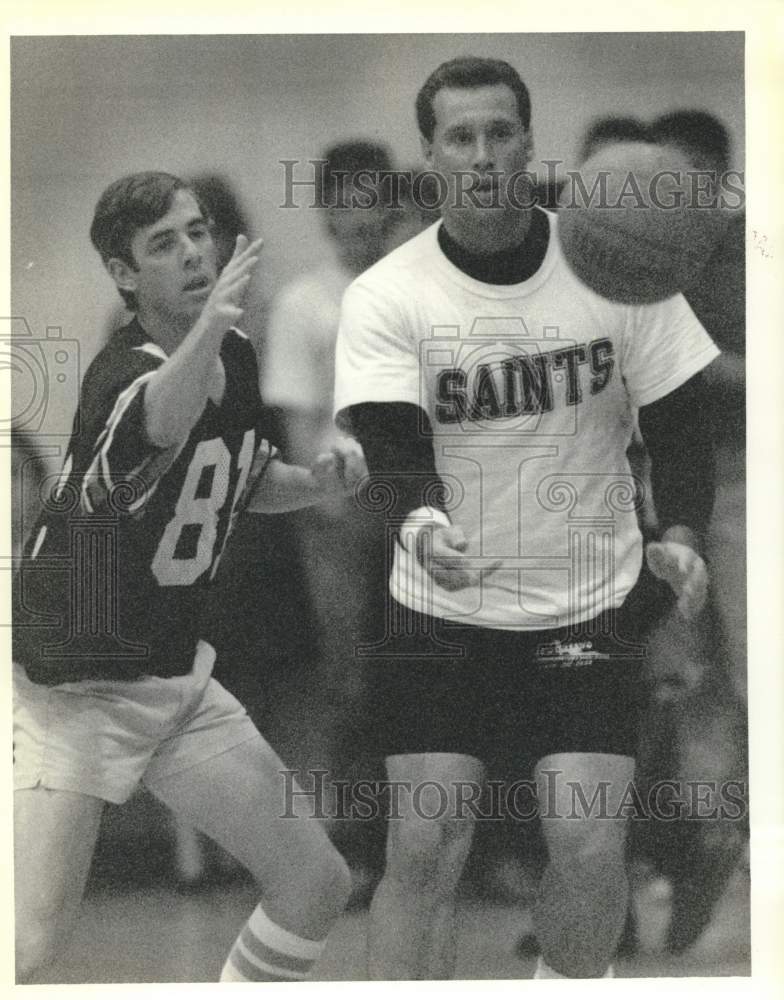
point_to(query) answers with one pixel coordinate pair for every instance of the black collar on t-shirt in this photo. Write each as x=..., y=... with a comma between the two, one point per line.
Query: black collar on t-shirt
x=506, y=267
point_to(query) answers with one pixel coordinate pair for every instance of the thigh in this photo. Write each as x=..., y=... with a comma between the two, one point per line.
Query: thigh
x=250, y=803
x=211, y=722
x=54, y=839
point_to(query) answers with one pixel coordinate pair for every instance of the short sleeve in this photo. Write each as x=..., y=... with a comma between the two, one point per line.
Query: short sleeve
x=377, y=358
x=122, y=453
x=664, y=345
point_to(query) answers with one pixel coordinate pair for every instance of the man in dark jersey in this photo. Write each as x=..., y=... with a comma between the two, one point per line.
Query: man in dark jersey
x=112, y=669
x=494, y=397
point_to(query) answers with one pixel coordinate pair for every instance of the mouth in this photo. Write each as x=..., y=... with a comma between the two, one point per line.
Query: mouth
x=486, y=184
x=198, y=284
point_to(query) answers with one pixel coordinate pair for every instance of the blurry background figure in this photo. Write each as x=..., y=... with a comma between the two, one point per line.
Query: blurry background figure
x=609, y=130
x=339, y=545
x=298, y=359
x=601, y=132
x=418, y=197
x=696, y=725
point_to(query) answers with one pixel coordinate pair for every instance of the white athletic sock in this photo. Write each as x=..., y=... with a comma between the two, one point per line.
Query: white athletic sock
x=543, y=971
x=265, y=952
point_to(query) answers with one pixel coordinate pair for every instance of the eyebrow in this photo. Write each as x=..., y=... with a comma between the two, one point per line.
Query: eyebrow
x=163, y=233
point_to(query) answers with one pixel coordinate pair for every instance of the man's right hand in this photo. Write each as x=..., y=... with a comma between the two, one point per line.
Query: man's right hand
x=441, y=551
x=224, y=306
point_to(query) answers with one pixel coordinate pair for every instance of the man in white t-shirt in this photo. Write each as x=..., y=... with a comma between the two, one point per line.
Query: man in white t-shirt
x=494, y=397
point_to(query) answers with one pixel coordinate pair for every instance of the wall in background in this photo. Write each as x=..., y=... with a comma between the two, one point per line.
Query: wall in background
x=85, y=110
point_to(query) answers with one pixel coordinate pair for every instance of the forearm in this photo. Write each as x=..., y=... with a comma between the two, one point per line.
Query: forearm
x=679, y=441
x=397, y=441
x=283, y=487
x=178, y=391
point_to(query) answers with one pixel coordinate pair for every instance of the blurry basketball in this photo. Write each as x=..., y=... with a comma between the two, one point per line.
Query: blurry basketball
x=636, y=224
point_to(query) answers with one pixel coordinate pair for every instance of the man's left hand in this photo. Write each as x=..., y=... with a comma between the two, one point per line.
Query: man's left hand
x=338, y=471
x=684, y=570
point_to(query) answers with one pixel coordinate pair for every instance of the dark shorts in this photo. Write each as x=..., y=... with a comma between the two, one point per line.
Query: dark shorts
x=506, y=696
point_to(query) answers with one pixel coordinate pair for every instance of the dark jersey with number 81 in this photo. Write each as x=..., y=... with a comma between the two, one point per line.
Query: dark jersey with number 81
x=113, y=578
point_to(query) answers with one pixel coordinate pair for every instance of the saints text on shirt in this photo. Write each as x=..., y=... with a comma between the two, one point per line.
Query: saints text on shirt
x=484, y=385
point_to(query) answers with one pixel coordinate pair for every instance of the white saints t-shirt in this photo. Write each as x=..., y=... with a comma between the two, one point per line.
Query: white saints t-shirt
x=531, y=390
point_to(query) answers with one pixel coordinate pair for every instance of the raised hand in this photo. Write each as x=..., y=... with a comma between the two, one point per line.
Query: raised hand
x=683, y=569
x=224, y=306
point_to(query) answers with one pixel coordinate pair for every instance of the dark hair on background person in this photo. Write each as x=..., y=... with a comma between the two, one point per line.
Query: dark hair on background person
x=129, y=205
x=220, y=202
x=468, y=72
x=343, y=161
x=612, y=129
x=699, y=134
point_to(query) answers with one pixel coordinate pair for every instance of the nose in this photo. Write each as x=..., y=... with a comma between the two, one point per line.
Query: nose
x=190, y=251
x=483, y=153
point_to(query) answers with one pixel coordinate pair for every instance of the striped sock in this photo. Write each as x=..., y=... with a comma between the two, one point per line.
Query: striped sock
x=267, y=953
x=544, y=971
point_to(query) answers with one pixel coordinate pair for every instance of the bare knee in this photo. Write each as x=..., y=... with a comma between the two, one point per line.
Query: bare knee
x=428, y=855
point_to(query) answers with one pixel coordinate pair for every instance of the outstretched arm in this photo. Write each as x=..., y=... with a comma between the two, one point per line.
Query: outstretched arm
x=282, y=487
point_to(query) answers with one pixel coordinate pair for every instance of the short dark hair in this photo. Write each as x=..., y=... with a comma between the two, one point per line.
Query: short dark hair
x=468, y=72
x=349, y=158
x=699, y=134
x=130, y=204
x=612, y=129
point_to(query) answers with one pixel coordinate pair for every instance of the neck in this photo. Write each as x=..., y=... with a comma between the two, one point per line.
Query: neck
x=166, y=331
x=494, y=231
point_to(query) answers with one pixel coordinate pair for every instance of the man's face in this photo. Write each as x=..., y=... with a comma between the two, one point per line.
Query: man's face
x=360, y=232
x=175, y=263
x=479, y=130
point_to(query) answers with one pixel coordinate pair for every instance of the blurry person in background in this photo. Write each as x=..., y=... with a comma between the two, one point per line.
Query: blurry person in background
x=298, y=370
x=418, y=195
x=704, y=710
x=337, y=544
x=610, y=129
x=695, y=726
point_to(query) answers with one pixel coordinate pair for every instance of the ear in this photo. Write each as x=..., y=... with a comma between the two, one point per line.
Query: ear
x=427, y=151
x=123, y=274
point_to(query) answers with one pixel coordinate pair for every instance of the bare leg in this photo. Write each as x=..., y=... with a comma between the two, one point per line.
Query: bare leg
x=54, y=840
x=411, y=932
x=583, y=897
x=238, y=799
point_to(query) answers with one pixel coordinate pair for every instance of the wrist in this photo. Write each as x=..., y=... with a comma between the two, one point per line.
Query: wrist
x=417, y=524
x=683, y=535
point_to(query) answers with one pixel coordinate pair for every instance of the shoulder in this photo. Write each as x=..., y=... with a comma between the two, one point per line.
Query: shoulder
x=396, y=277
x=128, y=355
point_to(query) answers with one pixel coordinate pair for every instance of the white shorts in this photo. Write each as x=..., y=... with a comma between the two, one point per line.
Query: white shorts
x=102, y=737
